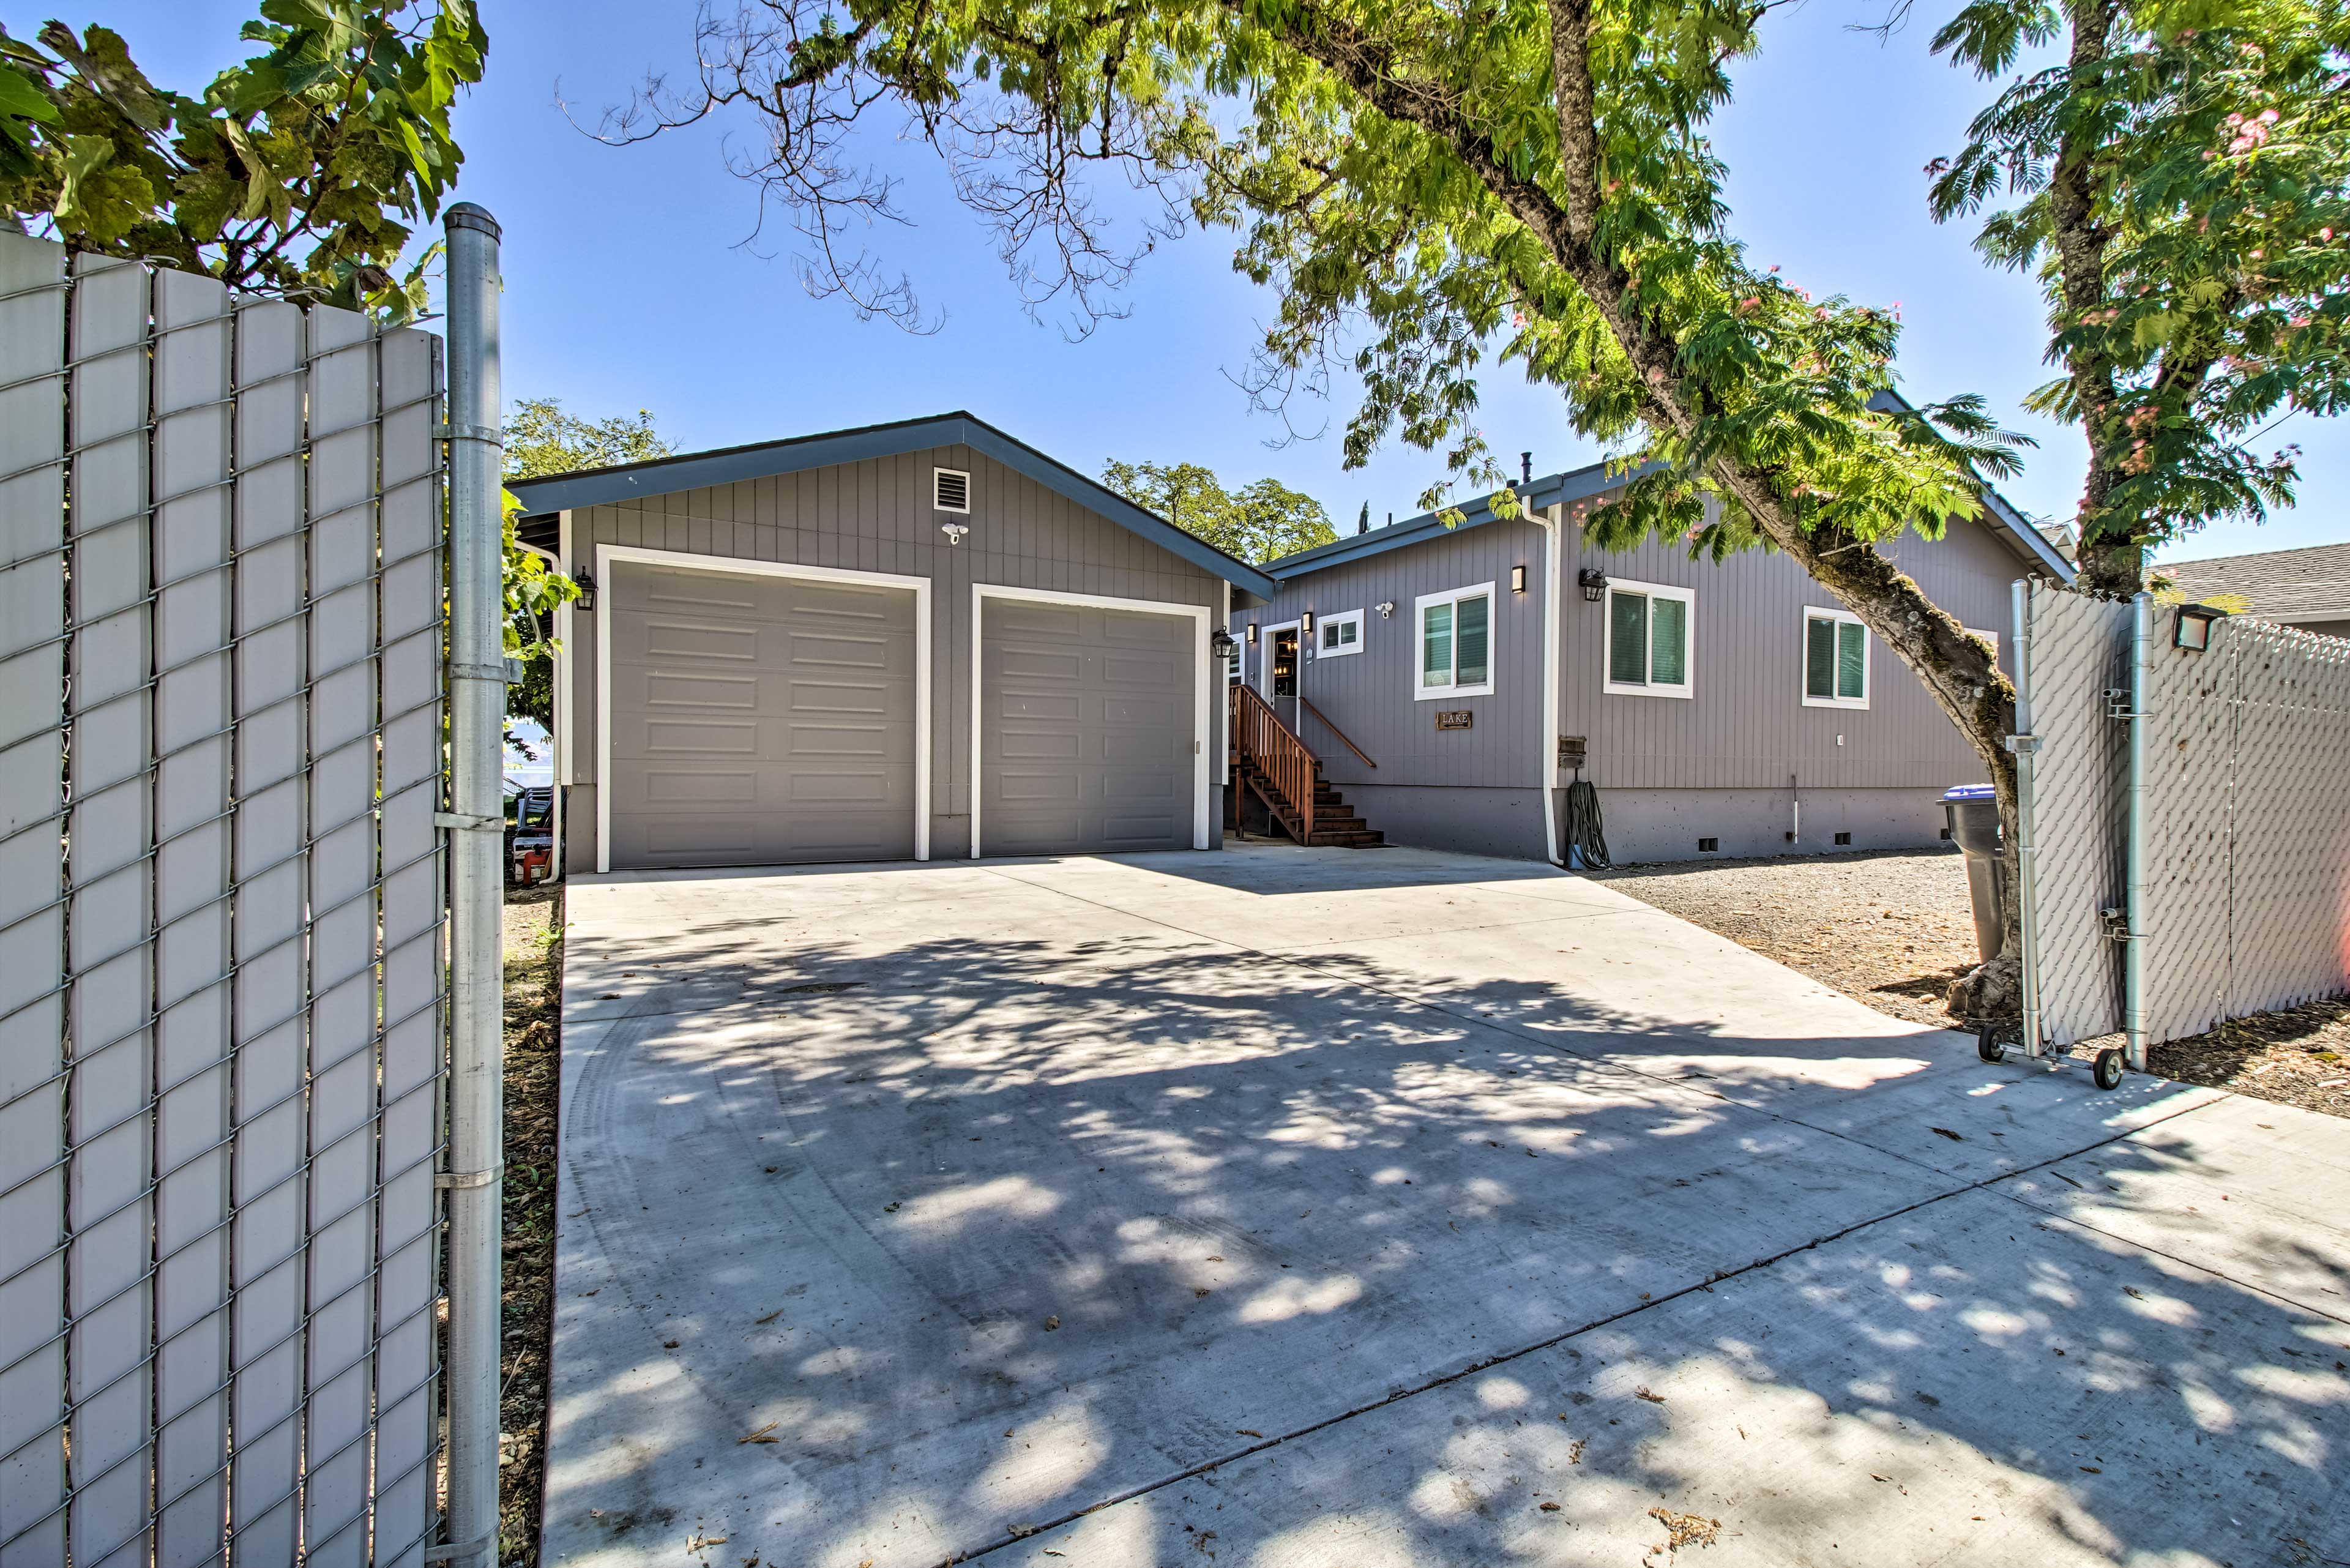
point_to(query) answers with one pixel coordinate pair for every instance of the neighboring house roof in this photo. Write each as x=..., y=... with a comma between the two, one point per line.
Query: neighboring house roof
x=1581, y=483
x=2311, y=584
x=628, y=482
x=1546, y=490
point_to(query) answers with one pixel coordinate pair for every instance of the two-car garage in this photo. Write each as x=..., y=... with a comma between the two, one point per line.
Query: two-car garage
x=777, y=717
x=921, y=640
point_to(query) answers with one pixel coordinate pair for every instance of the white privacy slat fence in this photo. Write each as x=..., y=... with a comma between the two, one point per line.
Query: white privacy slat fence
x=2242, y=840
x=222, y=923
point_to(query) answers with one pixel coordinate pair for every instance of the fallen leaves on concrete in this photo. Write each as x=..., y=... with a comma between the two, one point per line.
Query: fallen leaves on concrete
x=1684, y=1530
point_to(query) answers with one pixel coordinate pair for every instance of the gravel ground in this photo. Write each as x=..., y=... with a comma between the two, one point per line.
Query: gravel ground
x=1894, y=930
x=534, y=969
x=1891, y=929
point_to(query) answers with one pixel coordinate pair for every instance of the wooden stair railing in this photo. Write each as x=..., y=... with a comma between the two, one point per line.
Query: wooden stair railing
x=1274, y=749
x=1334, y=729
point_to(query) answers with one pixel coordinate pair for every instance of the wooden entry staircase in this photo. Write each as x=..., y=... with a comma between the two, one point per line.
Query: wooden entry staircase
x=1271, y=762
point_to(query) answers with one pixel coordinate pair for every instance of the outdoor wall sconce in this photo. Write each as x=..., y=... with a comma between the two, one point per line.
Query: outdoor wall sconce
x=1251, y=634
x=1387, y=610
x=1593, y=582
x=1305, y=623
x=2193, y=630
x=587, y=599
x=1221, y=644
x=1517, y=579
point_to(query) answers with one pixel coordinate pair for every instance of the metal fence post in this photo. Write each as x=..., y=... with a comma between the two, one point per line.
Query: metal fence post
x=2138, y=905
x=2025, y=745
x=476, y=747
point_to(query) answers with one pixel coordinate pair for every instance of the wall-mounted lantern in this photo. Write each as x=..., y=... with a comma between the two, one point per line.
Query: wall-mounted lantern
x=1251, y=634
x=1517, y=579
x=587, y=599
x=1221, y=646
x=1594, y=583
x=1304, y=624
x=2193, y=630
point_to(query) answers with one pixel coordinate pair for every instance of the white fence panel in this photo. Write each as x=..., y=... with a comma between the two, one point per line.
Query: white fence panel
x=222, y=924
x=2073, y=651
x=2248, y=825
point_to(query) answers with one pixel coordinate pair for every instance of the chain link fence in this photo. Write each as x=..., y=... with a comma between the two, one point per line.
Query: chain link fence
x=224, y=920
x=2240, y=847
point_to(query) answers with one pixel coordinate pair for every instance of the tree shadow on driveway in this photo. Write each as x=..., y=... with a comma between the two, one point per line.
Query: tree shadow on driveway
x=1021, y=1225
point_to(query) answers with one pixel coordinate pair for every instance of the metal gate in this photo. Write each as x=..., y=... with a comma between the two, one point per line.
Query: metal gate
x=224, y=923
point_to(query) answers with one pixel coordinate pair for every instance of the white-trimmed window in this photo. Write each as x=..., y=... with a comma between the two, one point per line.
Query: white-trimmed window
x=1835, y=659
x=1336, y=636
x=1651, y=631
x=1456, y=643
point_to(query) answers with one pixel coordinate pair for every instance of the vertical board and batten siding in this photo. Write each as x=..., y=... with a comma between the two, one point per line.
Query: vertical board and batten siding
x=1373, y=695
x=1745, y=725
x=875, y=516
x=222, y=905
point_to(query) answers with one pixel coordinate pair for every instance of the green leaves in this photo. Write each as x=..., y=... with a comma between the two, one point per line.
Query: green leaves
x=2178, y=185
x=292, y=171
x=1259, y=522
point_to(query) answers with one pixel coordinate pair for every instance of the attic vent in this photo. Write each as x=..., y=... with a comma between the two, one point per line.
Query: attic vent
x=951, y=490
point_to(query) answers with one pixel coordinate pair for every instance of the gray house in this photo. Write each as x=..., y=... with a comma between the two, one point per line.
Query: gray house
x=2309, y=589
x=1450, y=683
x=906, y=642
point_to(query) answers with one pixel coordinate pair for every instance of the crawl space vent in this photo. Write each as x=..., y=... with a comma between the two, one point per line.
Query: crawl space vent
x=950, y=489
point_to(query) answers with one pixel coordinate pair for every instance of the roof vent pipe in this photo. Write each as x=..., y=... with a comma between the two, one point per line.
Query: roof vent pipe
x=1526, y=467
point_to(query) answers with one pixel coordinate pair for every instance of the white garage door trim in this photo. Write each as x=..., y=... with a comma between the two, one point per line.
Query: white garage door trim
x=609, y=556
x=983, y=592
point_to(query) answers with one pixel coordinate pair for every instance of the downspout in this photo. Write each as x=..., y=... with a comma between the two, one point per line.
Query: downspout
x=2139, y=895
x=1546, y=765
x=558, y=856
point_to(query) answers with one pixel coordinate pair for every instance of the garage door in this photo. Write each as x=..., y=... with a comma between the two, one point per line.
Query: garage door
x=759, y=720
x=1086, y=729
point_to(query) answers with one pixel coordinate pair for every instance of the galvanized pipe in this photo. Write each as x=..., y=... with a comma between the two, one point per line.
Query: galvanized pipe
x=2025, y=746
x=476, y=1047
x=2141, y=708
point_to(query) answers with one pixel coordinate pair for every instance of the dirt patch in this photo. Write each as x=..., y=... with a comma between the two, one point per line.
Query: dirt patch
x=1894, y=930
x=1889, y=930
x=533, y=972
x=2297, y=1057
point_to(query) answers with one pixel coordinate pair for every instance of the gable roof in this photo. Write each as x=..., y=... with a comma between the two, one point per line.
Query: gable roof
x=1544, y=490
x=2310, y=583
x=1581, y=483
x=626, y=482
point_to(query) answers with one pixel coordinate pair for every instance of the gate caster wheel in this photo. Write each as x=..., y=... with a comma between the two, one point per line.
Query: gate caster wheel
x=2107, y=1068
x=1987, y=1045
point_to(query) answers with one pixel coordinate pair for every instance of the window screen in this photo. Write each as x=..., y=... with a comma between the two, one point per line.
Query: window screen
x=1668, y=643
x=1835, y=659
x=1627, y=638
x=1436, y=645
x=1339, y=634
x=1852, y=661
x=1819, y=658
x=1472, y=616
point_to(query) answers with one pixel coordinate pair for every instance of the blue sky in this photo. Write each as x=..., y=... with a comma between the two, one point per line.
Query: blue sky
x=630, y=284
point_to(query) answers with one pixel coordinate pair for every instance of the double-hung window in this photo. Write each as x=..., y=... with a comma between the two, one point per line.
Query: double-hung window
x=1835, y=659
x=1456, y=643
x=1336, y=634
x=1652, y=628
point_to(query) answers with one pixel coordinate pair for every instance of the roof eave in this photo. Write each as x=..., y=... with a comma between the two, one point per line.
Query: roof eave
x=696, y=470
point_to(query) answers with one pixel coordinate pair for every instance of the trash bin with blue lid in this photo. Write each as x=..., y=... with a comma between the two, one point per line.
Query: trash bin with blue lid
x=1973, y=812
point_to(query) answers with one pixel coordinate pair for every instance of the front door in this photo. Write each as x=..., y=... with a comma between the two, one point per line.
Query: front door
x=1285, y=675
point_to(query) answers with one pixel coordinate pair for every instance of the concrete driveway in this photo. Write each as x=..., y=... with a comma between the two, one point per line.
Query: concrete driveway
x=1287, y=1206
